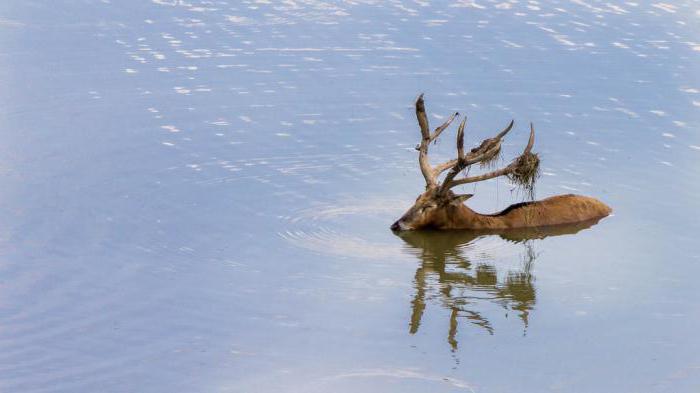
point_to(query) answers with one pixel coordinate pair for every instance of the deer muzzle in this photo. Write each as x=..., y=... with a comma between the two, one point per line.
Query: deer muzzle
x=398, y=226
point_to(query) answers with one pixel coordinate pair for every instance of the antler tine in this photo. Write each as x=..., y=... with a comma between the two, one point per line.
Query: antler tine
x=463, y=197
x=461, y=158
x=492, y=144
x=505, y=130
x=422, y=117
x=444, y=125
x=425, y=167
x=460, y=139
x=531, y=140
x=444, y=166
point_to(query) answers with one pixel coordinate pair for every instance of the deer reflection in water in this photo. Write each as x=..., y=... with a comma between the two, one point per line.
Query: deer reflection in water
x=447, y=275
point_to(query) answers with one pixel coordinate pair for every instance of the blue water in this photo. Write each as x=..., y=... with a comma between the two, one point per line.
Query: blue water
x=195, y=196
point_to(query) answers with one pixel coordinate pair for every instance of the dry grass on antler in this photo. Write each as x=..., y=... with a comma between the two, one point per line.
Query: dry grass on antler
x=526, y=173
x=491, y=160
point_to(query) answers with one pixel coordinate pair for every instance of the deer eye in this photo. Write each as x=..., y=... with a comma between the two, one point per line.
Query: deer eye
x=430, y=206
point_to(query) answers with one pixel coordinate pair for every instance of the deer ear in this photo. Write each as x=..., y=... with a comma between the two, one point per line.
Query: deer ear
x=459, y=199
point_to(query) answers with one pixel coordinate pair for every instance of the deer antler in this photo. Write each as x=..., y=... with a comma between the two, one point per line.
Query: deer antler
x=523, y=170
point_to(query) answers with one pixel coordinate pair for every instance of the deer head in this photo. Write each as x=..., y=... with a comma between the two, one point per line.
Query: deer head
x=438, y=207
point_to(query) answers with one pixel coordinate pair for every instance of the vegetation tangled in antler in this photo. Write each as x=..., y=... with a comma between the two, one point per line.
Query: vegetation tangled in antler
x=491, y=161
x=526, y=172
x=493, y=153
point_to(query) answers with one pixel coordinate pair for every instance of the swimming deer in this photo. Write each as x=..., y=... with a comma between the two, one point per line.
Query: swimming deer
x=440, y=208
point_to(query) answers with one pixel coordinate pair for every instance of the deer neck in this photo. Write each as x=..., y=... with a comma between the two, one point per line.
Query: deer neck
x=465, y=218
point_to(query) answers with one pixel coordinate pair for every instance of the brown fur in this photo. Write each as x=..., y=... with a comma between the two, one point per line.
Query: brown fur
x=433, y=211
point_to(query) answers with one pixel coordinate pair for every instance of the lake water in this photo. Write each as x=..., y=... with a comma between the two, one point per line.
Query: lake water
x=196, y=196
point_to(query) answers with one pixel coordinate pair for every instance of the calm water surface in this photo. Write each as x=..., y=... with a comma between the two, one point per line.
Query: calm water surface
x=195, y=196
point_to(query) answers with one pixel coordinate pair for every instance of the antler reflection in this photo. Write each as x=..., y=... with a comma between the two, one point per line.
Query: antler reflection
x=447, y=276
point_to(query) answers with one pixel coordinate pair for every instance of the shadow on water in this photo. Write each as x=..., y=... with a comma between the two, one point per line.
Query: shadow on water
x=460, y=283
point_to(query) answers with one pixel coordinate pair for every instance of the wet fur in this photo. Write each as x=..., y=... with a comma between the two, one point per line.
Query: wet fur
x=557, y=210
